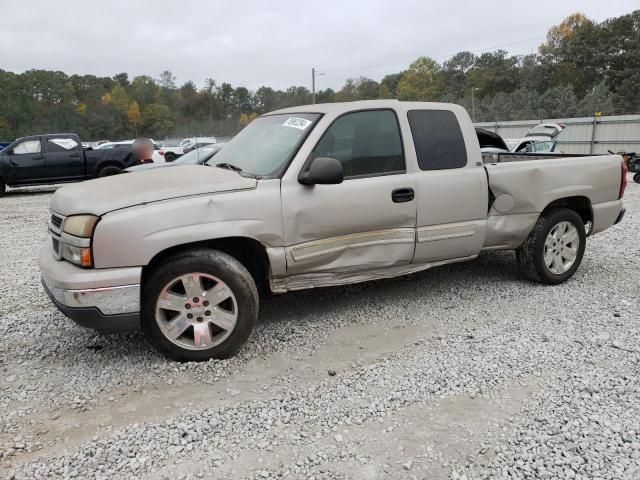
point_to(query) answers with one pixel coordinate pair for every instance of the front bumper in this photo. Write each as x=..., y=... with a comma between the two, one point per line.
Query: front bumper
x=102, y=299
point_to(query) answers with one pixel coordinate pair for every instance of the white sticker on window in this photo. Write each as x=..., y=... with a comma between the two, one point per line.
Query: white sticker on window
x=296, y=122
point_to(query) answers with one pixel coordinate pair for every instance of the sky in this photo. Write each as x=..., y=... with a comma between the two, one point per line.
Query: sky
x=272, y=42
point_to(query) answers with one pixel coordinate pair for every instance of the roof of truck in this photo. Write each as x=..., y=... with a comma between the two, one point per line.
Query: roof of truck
x=362, y=104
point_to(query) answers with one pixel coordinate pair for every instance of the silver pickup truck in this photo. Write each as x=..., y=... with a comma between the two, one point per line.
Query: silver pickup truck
x=307, y=197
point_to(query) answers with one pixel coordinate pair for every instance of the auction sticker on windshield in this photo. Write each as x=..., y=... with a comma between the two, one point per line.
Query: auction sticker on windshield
x=296, y=122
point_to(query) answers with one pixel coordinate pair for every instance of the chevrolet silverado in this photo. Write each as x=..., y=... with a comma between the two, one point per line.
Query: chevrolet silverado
x=312, y=196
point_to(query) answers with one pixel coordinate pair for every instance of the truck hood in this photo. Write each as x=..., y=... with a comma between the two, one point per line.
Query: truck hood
x=107, y=194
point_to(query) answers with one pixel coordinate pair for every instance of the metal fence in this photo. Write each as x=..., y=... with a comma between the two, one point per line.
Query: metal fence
x=586, y=135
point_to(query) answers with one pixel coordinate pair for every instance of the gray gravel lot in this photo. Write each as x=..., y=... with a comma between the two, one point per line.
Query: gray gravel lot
x=461, y=372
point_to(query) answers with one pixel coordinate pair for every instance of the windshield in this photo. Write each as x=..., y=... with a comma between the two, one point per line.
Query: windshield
x=197, y=156
x=264, y=147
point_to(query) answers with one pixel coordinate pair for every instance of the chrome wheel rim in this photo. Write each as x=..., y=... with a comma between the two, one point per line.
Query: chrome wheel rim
x=561, y=248
x=196, y=311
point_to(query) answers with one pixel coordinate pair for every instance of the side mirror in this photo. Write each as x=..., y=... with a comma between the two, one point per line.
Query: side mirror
x=322, y=171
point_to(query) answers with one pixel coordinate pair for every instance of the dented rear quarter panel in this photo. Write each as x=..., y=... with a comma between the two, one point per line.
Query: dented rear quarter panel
x=523, y=189
x=534, y=184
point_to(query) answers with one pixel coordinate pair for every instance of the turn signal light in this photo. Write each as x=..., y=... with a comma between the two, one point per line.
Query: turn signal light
x=85, y=257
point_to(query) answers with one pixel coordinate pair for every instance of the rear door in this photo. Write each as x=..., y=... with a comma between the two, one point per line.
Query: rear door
x=26, y=161
x=451, y=187
x=364, y=223
x=64, y=158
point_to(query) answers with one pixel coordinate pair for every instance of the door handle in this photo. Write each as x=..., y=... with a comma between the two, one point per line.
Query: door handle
x=400, y=195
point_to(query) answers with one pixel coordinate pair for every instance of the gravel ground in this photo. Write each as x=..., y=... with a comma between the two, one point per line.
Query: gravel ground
x=461, y=372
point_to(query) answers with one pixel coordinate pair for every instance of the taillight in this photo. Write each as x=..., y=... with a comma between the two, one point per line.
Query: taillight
x=623, y=180
x=161, y=152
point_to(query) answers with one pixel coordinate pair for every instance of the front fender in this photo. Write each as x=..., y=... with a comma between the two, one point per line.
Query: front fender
x=133, y=236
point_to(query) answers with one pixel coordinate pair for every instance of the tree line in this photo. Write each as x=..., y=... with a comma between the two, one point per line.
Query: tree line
x=581, y=69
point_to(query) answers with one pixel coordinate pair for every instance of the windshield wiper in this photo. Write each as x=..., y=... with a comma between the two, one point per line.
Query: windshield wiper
x=229, y=166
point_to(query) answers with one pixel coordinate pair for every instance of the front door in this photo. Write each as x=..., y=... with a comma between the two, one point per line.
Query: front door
x=26, y=162
x=366, y=222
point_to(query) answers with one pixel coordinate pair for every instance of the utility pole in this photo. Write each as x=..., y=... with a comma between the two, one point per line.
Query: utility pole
x=473, y=104
x=314, y=74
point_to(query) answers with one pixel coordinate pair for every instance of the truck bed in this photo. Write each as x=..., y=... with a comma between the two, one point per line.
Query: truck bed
x=523, y=186
x=520, y=157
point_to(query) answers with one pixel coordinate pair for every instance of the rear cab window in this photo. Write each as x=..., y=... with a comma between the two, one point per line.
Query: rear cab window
x=438, y=139
x=61, y=144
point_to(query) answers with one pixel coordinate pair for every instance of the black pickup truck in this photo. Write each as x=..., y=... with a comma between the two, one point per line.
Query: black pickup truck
x=58, y=158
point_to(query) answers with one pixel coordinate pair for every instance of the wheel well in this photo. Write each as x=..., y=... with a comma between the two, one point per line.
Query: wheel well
x=581, y=205
x=108, y=163
x=249, y=252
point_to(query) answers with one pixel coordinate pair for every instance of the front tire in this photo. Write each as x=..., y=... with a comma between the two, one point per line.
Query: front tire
x=3, y=188
x=554, y=249
x=198, y=305
x=636, y=178
x=109, y=171
x=169, y=157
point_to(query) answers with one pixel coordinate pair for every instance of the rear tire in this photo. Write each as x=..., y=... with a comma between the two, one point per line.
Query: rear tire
x=554, y=249
x=636, y=178
x=3, y=188
x=207, y=327
x=109, y=171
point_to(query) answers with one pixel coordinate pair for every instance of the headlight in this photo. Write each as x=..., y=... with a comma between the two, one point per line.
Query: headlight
x=78, y=255
x=75, y=243
x=80, y=225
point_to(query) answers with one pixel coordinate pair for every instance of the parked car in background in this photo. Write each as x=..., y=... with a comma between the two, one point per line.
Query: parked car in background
x=172, y=149
x=194, y=146
x=4, y=143
x=199, y=156
x=312, y=196
x=192, y=143
x=545, y=132
x=157, y=157
x=57, y=158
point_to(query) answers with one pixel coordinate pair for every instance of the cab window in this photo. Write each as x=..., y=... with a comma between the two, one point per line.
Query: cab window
x=438, y=139
x=28, y=146
x=366, y=143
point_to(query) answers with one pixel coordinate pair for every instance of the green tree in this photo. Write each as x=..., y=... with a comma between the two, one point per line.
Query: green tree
x=494, y=72
x=422, y=81
x=558, y=102
x=390, y=83
x=599, y=99
x=454, y=73
x=167, y=80
x=158, y=120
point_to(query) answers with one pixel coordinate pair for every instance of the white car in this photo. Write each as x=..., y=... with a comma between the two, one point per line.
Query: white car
x=157, y=157
x=172, y=149
x=192, y=143
x=543, y=136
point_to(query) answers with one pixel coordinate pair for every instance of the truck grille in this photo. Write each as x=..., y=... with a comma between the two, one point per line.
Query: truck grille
x=56, y=221
x=55, y=230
